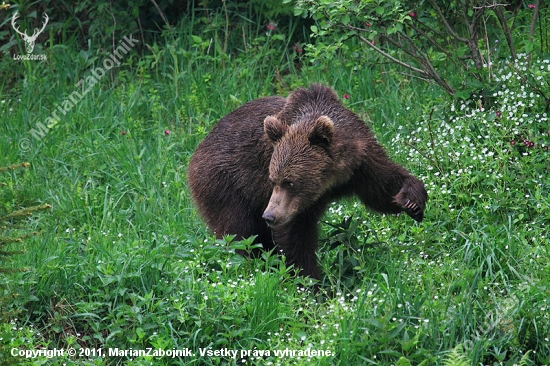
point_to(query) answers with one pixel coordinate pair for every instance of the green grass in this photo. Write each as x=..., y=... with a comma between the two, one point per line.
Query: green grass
x=123, y=260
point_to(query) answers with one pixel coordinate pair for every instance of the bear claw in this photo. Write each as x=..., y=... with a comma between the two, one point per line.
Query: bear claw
x=411, y=205
x=413, y=209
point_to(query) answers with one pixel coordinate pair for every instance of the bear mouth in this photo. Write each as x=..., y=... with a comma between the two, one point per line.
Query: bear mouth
x=275, y=224
x=272, y=225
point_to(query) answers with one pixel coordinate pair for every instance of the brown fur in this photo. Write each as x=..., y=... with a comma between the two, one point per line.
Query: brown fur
x=271, y=167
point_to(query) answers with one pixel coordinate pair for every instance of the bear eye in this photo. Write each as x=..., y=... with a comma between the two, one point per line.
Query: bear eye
x=288, y=184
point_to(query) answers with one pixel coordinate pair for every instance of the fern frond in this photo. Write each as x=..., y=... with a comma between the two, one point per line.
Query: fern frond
x=457, y=358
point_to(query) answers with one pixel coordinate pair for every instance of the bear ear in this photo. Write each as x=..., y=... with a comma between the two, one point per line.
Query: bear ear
x=322, y=132
x=274, y=129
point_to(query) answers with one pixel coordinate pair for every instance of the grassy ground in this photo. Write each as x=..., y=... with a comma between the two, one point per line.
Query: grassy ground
x=123, y=261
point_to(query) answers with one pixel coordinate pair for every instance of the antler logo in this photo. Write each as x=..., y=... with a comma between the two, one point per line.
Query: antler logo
x=29, y=40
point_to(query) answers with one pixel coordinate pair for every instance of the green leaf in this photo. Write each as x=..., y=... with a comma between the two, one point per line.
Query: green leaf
x=462, y=94
x=461, y=51
x=196, y=39
x=391, y=352
x=403, y=362
x=376, y=323
x=140, y=333
x=299, y=12
x=379, y=10
x=345, y=19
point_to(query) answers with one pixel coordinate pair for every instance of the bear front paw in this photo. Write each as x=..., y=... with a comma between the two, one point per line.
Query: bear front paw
x=412, y=198
x=413, y=210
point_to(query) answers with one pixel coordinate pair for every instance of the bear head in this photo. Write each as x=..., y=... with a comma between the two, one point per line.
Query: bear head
x=300, y=167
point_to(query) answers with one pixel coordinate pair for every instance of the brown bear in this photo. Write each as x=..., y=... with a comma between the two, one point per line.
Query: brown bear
x=271, y=168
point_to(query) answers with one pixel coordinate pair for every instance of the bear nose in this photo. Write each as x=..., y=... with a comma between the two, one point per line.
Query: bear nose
x=269, y=218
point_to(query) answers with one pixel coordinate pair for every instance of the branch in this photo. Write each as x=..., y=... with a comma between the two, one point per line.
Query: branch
x=532, y=28
x=423, y=59
x=490, y=6
x=504, y=24
x=458, y=63
x=446, y=23
x=474, y=36
x=428, y=70
x=420, y=56
x=161, y=14
x=430, y=39
x=472, y=29
x=534, y=19
x=388, y=56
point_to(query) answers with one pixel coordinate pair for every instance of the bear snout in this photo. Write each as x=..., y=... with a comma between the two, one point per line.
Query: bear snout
x=269, y=218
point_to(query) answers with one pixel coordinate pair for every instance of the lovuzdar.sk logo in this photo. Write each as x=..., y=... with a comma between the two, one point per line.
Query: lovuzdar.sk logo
x=29, y=40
